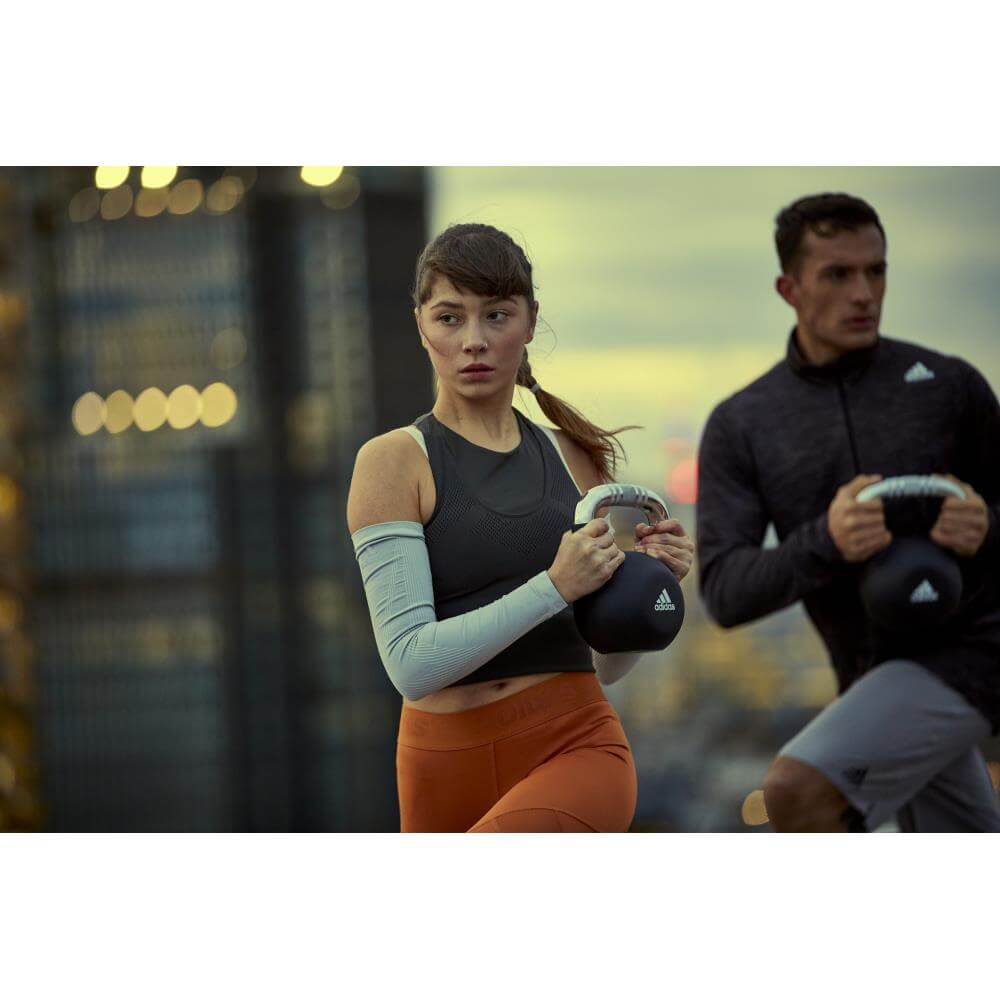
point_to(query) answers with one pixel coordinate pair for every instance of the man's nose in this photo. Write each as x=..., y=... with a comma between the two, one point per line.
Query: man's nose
x=861, y=290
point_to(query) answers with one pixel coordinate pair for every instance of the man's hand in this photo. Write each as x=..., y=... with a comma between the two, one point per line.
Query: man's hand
x=857, y=529
x=962, y=525
x=668, y=542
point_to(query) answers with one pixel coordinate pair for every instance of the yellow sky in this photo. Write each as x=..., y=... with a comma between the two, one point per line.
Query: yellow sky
x=656, y=283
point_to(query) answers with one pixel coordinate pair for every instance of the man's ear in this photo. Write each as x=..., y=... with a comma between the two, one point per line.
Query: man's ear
x=788, y=288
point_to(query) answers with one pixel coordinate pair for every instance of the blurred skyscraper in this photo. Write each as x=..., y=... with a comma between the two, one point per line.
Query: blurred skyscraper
x=206, y=351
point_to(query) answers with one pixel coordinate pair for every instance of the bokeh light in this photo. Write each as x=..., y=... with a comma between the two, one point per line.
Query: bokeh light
x=224, y=195
x=682, y=482
x=10, y=497
x=186, y=197
x=157, y=177
x=246, y=175
x=119, y=411
x=754, y=811
x=229, y=348
x=8, y=776
x=13, y=311
x=218, y=404
x=110, y=177
x=88, y=413
x=183, y=407
x=11, y=614
x=116, y=203
x=343, y=194
x=151, y=202
x=320, y=176
x=150, y=409
x=84, y=205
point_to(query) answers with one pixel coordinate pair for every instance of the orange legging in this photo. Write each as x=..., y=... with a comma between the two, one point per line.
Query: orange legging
x=550, y=759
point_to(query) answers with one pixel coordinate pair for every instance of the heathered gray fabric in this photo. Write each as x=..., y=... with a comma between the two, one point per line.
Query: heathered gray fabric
x=903, y=743
x=778, y=450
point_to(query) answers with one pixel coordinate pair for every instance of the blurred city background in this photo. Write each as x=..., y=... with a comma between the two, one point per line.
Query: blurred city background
x=190, y=358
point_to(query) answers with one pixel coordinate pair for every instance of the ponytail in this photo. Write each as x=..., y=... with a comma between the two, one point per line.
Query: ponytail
x=601, y=445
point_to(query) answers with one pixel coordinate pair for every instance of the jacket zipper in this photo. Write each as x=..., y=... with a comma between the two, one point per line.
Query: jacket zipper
x=850, y=426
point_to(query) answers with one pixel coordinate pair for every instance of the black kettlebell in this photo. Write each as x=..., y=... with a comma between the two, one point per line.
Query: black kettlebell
x=914, y=584
x=641, y=607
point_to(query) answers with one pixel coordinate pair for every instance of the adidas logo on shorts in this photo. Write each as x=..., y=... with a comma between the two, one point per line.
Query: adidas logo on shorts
x=924, y=594
x=663, y=602
x=918, y=373
x=855, y=775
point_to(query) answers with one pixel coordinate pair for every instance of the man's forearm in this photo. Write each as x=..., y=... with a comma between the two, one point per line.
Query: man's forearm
x=747, y=582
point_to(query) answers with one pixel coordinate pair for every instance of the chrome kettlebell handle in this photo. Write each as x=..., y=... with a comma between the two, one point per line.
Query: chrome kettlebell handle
x=619, y=495
x=899, y=487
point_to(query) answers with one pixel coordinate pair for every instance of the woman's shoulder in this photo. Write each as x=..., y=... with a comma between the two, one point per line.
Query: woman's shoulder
x=580, y=464
x=400, y=444
x=385, y=483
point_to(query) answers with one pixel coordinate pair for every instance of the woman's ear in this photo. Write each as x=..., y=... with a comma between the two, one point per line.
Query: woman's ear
x=420, y=329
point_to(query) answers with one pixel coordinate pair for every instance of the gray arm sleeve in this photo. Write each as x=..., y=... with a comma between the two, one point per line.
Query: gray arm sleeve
x=420, y=654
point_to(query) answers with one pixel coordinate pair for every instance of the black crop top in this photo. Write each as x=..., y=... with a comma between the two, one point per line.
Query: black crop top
x=497, y=522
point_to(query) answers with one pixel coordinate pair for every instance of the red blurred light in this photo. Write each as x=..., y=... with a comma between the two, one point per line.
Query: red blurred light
x=682, y=481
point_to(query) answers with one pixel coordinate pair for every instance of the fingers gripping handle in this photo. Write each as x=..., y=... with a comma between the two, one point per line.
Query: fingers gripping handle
x=898, y=487
x=619, y=495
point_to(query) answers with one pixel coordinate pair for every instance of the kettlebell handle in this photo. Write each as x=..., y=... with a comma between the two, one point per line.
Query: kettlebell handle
x=898, y=487
x=619, y=495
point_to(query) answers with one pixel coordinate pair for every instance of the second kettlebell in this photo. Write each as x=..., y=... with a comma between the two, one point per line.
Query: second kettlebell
x=914, y=584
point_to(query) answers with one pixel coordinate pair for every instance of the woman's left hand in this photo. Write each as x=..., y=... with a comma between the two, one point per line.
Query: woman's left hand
x=668, y=542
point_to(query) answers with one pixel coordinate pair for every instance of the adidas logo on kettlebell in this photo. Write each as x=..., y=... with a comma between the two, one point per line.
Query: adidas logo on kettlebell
x=663, y=602
x=924, y=594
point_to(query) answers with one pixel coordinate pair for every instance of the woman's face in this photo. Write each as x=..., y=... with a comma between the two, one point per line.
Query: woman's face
x=475, y=342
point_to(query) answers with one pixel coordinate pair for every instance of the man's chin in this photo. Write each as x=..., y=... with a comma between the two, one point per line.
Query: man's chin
x=858, y=336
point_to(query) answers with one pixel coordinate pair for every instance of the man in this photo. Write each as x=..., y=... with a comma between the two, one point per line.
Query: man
x=794, y=448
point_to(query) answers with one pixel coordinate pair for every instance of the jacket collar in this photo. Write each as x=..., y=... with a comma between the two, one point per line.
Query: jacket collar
x=854, y=362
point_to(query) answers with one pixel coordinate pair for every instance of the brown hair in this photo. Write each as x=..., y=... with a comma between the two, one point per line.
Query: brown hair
x=825, y=215
x=485, y=261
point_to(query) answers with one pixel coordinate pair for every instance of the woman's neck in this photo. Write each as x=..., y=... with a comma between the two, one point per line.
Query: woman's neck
x=489, y=423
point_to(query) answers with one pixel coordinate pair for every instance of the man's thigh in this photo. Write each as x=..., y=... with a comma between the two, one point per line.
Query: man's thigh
x=888, y=737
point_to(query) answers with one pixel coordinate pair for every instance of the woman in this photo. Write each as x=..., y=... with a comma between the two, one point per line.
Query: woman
x=459, y=524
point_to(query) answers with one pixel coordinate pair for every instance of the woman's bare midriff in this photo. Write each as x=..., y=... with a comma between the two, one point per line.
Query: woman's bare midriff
x=466, y=696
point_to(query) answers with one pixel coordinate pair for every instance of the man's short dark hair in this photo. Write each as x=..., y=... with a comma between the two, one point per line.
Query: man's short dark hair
x=825, y=215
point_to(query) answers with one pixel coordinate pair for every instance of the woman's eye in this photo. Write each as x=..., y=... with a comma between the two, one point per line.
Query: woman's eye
x=448, y=319
x=498, y=315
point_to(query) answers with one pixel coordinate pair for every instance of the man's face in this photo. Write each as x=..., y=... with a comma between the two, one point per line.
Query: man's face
x=836, y=290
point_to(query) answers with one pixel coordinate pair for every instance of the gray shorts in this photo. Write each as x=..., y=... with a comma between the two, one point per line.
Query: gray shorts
x=900, y=742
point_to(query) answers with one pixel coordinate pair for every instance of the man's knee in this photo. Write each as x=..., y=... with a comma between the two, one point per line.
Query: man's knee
x=799, y=798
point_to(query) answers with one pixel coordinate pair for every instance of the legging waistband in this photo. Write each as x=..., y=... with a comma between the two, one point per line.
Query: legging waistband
x=499, y=719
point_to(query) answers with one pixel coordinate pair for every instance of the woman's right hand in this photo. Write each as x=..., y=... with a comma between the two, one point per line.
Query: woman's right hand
x=586, y=560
